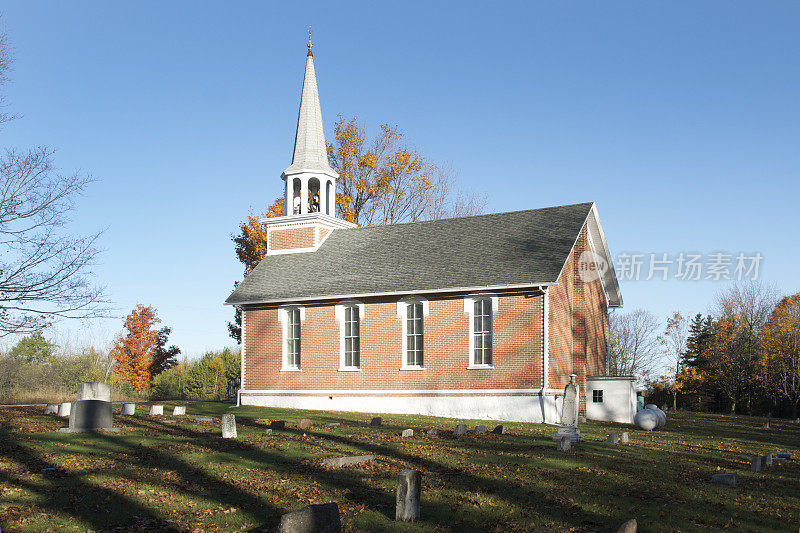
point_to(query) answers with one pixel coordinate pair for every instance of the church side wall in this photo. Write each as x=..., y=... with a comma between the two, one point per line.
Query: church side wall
x=578, y=324
x=446, y=387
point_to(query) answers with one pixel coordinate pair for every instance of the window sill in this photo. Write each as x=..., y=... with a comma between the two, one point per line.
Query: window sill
x=290, y=370
x=412, y=368
x=480, y=367
x=349, y=369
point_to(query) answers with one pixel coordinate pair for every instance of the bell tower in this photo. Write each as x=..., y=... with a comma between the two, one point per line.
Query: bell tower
x=309, y=182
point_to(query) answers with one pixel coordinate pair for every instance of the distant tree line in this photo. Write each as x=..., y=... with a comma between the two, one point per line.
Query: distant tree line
x=741, y=357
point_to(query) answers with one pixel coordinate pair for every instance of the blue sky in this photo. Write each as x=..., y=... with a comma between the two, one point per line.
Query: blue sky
x=679, y=119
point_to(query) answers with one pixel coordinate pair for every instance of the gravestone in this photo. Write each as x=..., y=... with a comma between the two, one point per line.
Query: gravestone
x=304, y=424
x=569, y=413
x=432, y=431
x=479, y=430
x=338, y=462
x=409, y=488
x=628, y=527
x=499, y=430
x=51, y=409
x=613, y=438
x=333, y=425
x=203, y=419
x=228, y=426
x=268, y=431
x=156, y=410
x=768, y=459
x=320, y=518
x=128, y=409
x=755, y=464
x=277, y=424
x=407, y=433
x=726, y=478
x=460, y=429
x=564, y=444
x=94, y=390
x=64, y=409
x=783, y=456
x=376, y=421
x=179, y=410
x=90, y=415
x=624, y=437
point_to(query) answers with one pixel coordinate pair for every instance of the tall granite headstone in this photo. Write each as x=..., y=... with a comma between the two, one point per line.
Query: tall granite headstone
x=569, y=413
x=90, y=415
x=409, y=485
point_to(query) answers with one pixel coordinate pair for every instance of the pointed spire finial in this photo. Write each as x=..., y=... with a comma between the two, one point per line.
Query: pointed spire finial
x=310, y=45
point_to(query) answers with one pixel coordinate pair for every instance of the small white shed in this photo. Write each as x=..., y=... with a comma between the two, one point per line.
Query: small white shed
x=611, y=398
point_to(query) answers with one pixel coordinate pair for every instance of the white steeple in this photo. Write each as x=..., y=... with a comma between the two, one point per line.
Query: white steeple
x=310, y=181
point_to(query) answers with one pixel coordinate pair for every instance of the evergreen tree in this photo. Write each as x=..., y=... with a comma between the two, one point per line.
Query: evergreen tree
x=33, y=348
x=699, y=342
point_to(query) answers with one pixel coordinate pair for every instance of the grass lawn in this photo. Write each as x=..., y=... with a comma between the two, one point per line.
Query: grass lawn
x=153, y=475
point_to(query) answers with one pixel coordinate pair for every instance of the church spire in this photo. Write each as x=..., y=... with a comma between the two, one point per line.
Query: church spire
x=310, y=181
x=309, y=142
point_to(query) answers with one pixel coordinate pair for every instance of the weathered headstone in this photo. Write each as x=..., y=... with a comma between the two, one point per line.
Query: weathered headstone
x=304, y=424
x=432, y=431
x=409, y=488
x=333, y=425
x=479, y=430
x=90, y=415
x=338, y=462
x=628, y=527
x=128, y=409
x=320, y=518
x=51, y=409
x=64, y=409
x=569, y=413
x=228, y=426
x=768, y=459
x=268, y=431
x=179, y=410
x=203, y=419
x=613, y=438
x=156, y=410
x=623, y=438
x=564, y=444
x=499, y=430
x=755, y=463
x=94, y=390
x=784, y=456
x=460, y=429
x=376, y=421
x=407, y=433
x=725, y=478
x=277, y=424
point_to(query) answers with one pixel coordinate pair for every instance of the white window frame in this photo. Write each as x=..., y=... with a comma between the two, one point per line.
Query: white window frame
x=469, y=310
x=402, y=310
x=283, y=318
x=339, y=314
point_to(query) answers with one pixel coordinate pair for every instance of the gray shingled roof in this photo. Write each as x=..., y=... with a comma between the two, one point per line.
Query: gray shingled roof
x=523, y=247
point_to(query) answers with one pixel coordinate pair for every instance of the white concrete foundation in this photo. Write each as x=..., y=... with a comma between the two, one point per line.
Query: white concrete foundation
x=528, y=408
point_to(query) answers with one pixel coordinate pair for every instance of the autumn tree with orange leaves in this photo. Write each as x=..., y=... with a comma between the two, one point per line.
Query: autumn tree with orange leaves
x=780, y=352
x=133, y=351
x=382, y=180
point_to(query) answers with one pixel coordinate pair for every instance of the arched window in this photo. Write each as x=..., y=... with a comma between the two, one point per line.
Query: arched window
x=296, y=185
x=481, y=309
x=313, y=195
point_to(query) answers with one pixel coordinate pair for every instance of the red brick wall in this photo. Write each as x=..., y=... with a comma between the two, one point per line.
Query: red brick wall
x=517, y=348
x=578, y=324
x=283, y=239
